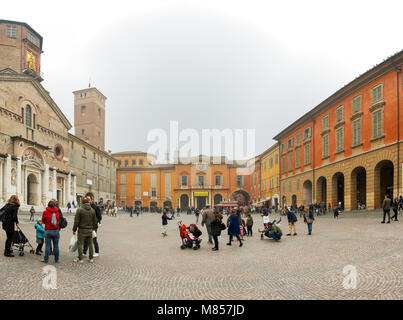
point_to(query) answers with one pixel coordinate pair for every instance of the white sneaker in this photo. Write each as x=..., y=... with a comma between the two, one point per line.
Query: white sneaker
x=91, y=260
x=84, y=254
x=96, y=255
x=78, y=260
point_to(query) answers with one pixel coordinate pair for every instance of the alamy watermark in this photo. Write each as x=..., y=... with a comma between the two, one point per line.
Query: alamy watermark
x=350, y=280
x=49, y=281
x=229, y=146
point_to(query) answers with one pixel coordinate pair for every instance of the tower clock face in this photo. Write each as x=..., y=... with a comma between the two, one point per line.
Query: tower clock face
x=201, y=166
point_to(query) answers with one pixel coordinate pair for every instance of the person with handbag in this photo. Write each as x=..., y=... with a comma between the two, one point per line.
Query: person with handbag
x=85, y=221
x=10, y=218
x=308, y=219
x=216, y=227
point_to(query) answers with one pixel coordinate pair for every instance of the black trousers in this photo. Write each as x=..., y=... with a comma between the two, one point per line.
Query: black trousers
x=215, y=238
x=39, y=247
x=249, y=230
x=395, y=215
x=237, y=236
x=9, y=239
x=386, y=212
x=96, y=246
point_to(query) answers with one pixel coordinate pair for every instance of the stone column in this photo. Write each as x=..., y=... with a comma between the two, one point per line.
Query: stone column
x=18, y=180
x=7, y=178
x=45, y=192
x=40, y=193
x=74, y=189
x=54, y=193
x=347, y=192
x=69, y=188
x=373, y=197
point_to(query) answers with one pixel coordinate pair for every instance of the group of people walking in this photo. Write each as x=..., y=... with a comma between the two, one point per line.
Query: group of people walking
x=86, y=221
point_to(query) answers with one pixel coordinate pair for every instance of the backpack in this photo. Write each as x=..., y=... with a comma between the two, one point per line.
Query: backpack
x=3, y=214
x=62, y=222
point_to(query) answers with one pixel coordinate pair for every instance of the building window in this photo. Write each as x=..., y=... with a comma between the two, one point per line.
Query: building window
x=200, y=180
x=133, y=163
x=356, y=132
x=264, y=165
x=123, y=192
x=271, y=163
x=283, y=165
x=290, y=162
x=307, y=154
x=28, y=115
x=377, y=124
x=325, y=146
x=356, y=104
x=298, y=185
x=122, y=179
x=154, y=193
x=94, y=155
x=290, y=143
x=289, y=186
x=83, y=109
x=99, y=112
x=184, y=181
x=32, y=38
x=82, y=132
x=84, y=150
x=339, y=140
x=307, y=133
x=119, y=163
x=138, y=192
x=84, y=161
x=126, y=163
x=276, y=158
x=298, y=139
x=140, y=162
x=277, y=181
x=282, y=148
x=339, y=114
x=325, y=122
x=138, y=178
x=218, y=180
x=239, y=181
x=298, y=158
x=377, y=93
x=11, y=31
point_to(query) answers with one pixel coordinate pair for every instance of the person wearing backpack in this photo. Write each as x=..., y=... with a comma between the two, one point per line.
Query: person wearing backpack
x=9, y=217
x=292, y=219
x=51, y=220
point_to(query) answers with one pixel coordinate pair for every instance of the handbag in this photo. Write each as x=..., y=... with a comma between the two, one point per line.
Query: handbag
x=223, y=226
x=94, y=234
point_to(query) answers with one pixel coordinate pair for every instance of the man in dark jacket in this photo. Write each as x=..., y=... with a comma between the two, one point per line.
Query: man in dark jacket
x=386, y=208
x=292, y=219
x=85, y=221
x=207, y=218
x=10, y=218
x=99, y=219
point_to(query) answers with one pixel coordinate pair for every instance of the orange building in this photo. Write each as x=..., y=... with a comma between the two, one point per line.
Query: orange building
x=347, y=149
x=193, y=182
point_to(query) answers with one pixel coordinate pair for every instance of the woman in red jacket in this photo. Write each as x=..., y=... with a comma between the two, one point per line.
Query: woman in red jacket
x=50, y=219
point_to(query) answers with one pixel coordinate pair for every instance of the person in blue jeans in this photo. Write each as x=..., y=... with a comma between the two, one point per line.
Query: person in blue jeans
x=51, y=218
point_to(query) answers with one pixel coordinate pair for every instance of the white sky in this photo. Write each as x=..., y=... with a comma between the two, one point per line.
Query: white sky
x=207, y=64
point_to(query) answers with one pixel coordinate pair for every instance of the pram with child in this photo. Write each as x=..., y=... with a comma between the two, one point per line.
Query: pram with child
x=19, y=241
x=190, y=236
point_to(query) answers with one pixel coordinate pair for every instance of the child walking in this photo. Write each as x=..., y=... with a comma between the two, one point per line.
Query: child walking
x=165, y=219
x=40, y=232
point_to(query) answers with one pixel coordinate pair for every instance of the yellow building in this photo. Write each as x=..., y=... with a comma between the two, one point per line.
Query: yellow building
x=270, y=179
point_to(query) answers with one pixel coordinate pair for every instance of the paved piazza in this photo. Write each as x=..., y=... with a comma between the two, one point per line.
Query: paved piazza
x=136, y=262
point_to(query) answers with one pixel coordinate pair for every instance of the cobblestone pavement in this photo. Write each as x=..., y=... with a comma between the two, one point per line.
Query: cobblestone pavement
x=136, y=262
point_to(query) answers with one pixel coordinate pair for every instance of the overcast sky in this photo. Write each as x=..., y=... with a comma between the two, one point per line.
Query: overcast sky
x=207, y=64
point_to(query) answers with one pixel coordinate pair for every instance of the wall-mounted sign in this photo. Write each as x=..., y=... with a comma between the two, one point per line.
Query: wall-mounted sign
x=200, y=194
x=89, y=182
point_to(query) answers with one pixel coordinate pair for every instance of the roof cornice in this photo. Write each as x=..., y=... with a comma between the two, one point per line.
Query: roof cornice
x=379, y=70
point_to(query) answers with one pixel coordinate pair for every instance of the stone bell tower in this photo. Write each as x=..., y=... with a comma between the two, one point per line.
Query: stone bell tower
x=89, y=116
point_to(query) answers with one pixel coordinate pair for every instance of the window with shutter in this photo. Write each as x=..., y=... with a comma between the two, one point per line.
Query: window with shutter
x=325, y=122
x=356, y=132
x=325, y=146
x=298, y=139
x=339, y=114
x=290, y=162
x=307, y=154
x=377, y=93
x=356, y=104
x=339, y=140
x=298, y=158
x=283, y=164
x=377, y=124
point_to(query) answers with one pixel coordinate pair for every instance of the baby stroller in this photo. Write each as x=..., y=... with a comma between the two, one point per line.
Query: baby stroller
x=189, y=238
x=20, y=240
x=277, y=223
